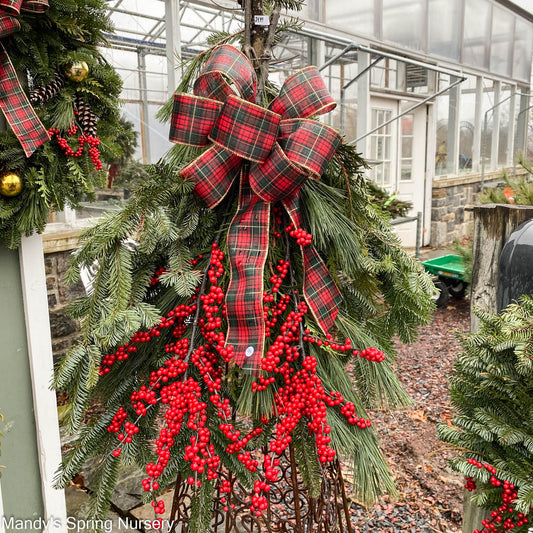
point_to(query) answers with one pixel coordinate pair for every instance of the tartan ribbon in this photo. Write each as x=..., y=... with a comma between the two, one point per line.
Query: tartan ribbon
x=14, y=103
x=274, y=151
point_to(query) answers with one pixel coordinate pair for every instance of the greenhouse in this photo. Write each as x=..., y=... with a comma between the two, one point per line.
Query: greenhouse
x=266, y=266
x=435, y=94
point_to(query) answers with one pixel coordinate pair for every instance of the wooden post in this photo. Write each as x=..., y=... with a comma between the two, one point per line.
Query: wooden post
x=493, y=224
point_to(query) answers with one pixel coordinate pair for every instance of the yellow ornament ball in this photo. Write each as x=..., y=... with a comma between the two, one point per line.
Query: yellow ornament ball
x=78, y=71
x=10, y=185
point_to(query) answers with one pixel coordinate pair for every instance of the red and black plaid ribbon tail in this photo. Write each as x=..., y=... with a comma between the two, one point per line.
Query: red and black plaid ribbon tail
x=14, y=103
x=248, y=248
x=320, y=291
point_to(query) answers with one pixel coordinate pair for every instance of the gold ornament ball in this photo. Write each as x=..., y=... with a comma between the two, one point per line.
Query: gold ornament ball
x=78, y=71
x=10, y=184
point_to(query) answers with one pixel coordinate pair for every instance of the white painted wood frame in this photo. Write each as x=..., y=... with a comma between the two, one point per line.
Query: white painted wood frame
x=2, y=529
x=34, y=293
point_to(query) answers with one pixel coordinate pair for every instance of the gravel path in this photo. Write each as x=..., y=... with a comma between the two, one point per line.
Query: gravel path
x=430, y=493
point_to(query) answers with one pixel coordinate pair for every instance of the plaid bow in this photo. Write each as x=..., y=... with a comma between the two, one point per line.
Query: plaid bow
x=274, y=151
x=16, y=107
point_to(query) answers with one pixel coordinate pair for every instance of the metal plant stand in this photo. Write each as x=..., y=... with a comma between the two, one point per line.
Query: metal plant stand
x=290, y=509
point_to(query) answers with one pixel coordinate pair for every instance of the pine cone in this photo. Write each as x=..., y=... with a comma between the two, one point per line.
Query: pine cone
x=40, y=95
x=86, y=119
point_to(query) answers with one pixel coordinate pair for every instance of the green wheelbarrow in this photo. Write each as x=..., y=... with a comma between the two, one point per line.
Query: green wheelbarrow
x=448, y=272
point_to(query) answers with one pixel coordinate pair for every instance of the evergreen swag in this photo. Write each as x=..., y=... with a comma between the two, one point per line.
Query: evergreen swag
x=44, y=49
x=492, y=392
x=153, y=356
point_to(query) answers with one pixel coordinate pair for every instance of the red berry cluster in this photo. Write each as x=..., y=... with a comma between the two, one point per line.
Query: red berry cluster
x=283, y=268
x=182, y=395
x=189, y=386
x=505, y=518
x=92, y=142
x=470, y=484
x=175, y=317
x=372, y=354
x=302, y=237
x=328, y=342
x=118, y=420
x=154, y=280
x=225, y=488
x=280, y=301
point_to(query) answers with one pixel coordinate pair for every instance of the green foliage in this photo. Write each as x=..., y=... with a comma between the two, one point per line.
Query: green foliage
x=201, y=508
x=465, y=249
x=166, y=226
x=131, y=175
x=389, y=202
x=70, y=31
x=492, y=393
x=519, y=188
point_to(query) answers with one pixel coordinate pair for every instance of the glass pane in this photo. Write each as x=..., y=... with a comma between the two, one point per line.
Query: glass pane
x=386, y=173
x=373, y=146
x=486, y=132
x=386, y=145
x=444, y=26
x=335, y=76
x=380, y=148
x=503, y=134
x=502, y=41
x=523, y=44
x=385, y=116
x=406, y=170
x=407, y=147
x=379, y=174
x=403, y=22
x=407, y=124
x=384, y=75
x=377, y=77
x=476, y=32
x=360, y=20
x=467, y=108
x=442, y=114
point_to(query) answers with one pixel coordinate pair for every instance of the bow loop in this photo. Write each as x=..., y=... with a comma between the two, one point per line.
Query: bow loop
x=311, y=145
x=225, y=67
x=34, y=6
x=277, y=178
x=304, y=94
x=8, y=25
x=213, y=172
x=10, y=7
x=193, y=119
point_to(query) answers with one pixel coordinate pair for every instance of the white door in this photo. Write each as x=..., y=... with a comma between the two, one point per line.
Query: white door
x=398, y=155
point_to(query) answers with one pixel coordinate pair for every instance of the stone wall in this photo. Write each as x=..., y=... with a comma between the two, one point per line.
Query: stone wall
x=450, y=220
x=64, y=329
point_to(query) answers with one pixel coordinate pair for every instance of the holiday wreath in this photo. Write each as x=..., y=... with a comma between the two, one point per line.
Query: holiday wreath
x=60, y=100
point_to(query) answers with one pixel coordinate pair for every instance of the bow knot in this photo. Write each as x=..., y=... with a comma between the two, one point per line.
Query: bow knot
x=13, y=101
x=245, y=129
x=284, y=148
